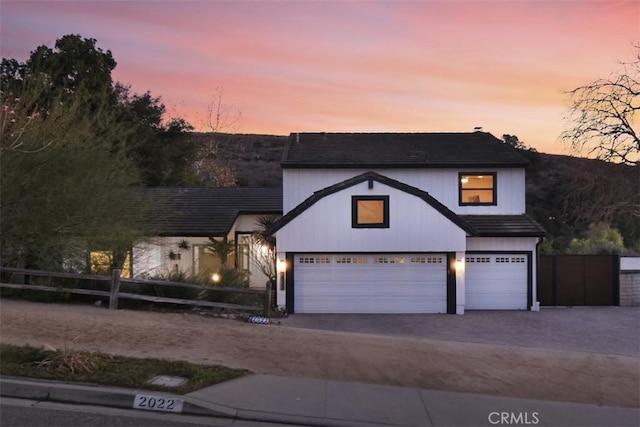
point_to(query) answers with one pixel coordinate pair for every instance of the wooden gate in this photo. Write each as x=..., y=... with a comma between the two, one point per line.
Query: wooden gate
x=579, y=280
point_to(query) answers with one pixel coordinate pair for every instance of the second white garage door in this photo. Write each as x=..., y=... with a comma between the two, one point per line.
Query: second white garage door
x=496, y=281
x=366, y=283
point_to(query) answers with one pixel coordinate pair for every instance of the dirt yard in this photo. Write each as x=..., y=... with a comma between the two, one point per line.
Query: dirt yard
x=280, y=350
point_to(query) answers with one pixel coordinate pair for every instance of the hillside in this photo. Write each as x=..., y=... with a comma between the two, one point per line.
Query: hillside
x=254, y=160
x=564, y=193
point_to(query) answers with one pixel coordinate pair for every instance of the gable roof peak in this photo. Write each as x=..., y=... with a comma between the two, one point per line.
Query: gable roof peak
x=350, y=182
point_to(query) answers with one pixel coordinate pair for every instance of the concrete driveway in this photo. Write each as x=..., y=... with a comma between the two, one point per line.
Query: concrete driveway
x=604, y=330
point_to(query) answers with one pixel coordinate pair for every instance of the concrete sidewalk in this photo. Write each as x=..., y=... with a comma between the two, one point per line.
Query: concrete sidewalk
x=310, y=402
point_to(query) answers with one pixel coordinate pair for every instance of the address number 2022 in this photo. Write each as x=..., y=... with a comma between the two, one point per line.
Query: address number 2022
x=157, y=403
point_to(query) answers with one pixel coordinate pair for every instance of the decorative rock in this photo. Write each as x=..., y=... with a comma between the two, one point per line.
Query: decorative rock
x=168, y=381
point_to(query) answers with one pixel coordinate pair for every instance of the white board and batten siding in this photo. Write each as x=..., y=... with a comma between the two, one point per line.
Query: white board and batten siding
x=442, y=184
x=327, y=226
x=370, y=283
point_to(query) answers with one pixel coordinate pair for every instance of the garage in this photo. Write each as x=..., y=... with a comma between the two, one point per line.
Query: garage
x=496, y=281
x=370, y=283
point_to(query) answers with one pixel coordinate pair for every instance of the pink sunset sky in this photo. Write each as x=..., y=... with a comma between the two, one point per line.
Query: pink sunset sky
x=350, y=66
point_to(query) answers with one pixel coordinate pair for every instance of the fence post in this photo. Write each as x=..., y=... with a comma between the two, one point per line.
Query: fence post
x=267, y=300
x=115, y=288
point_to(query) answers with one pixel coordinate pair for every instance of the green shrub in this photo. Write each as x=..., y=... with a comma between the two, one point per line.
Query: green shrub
x=169, y=291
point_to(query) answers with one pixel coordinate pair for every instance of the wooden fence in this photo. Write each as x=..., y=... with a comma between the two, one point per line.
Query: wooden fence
x=570, y=280
x=114, y=294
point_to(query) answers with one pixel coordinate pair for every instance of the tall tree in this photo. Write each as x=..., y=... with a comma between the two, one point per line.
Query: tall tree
x=77, y=65
x=62, y=178
x=75, y=62
x=70, y=148
x=164, y=152
x=602, y=115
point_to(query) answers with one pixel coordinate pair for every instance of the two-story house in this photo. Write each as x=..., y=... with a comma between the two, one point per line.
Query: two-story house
x=404, y=223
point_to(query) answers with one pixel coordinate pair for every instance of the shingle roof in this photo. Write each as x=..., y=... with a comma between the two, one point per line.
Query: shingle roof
x=504, y=225
x=410, y=150
x=206, y=211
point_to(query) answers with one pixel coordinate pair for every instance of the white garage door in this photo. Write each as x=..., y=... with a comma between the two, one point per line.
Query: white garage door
x=365, y=283
x=496, y=282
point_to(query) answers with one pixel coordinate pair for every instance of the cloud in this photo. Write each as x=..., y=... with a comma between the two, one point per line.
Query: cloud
x=349, y=66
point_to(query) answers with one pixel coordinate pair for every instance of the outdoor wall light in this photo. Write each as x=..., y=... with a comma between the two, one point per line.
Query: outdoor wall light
x=459, y=265
x=215, y=277
x=282, y=265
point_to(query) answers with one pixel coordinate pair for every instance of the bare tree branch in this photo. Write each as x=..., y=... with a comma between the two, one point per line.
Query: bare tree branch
x=211, y=164
x=601, y=119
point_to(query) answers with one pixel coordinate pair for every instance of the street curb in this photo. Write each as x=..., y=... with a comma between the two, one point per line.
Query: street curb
x=122, y=398
x=43, y=390
x=297, y=420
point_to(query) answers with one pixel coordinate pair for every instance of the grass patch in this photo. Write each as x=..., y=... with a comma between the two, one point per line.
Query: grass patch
x=100, y=368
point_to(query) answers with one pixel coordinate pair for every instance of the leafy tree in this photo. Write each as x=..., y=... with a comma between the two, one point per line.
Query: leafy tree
x=546, y=247
x=231, y=277
x=165, y=153
x=266, y=257
x=76, y=65
x=601, y=239
x=222, y=248
x=71, y=144
x=602, y=115
x=513, y=141
x=62, y=176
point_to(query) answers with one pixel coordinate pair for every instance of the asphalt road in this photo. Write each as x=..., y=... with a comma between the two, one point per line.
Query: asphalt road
x=28, y=413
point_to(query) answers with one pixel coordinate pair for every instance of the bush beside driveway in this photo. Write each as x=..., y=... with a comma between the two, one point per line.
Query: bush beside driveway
x=425, y=363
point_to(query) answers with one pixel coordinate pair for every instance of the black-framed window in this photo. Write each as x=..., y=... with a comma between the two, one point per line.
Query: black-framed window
x=370, y=211
x=477, y=188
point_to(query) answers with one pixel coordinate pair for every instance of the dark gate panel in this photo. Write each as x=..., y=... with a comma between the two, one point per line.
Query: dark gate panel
x=578, y=280
x=600, y=281
x=545, y=281
x=570, y=280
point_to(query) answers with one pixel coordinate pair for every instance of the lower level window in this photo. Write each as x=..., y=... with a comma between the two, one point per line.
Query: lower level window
x=102, y=262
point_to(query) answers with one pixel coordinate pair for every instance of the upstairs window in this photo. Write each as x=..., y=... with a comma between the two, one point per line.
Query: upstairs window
x=477, y=189
x=370, y=211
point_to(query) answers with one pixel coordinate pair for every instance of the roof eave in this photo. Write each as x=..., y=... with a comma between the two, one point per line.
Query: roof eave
x=192, y=234
x=510, y=234
x=296, y=165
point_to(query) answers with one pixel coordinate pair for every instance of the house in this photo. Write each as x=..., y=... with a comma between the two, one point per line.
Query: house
x=183, y=219
x=404, y=223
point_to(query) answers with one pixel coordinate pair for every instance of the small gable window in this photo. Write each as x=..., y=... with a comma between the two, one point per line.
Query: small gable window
x=477, y=188
x=370, y=211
